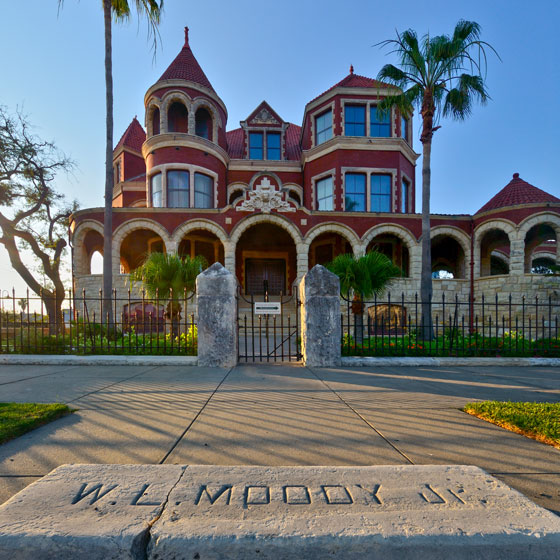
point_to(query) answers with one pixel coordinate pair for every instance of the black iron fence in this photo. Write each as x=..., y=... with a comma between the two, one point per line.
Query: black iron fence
x=139, y=326
x=460, y=327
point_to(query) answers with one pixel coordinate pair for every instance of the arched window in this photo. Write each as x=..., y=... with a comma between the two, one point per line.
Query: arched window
x=156, y=191
x=178, y=189
x=155, y=121
x=177, y=118
x=203, y=124
x=203, y=191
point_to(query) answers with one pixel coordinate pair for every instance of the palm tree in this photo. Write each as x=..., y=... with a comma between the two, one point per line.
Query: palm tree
x=365, y=277
x=433, y=77
x=120, y=11
x=167, y=277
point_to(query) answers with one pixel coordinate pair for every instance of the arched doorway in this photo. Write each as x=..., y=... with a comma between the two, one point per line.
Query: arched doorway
x=265, y=258
x=325, y=247
x=394, y=248
x=494, y=253
x=137, y=246
x=204, y=243
x=540, y=249
x=448, y=258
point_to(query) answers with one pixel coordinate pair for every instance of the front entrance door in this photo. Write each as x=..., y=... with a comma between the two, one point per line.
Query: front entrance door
x=265, y=275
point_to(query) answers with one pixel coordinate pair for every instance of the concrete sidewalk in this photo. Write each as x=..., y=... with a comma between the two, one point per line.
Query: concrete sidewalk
x=279, y=415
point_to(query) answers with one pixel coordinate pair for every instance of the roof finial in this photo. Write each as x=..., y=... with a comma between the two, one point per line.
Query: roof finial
x=186, y=36
x=516, y=175
x=351, y=69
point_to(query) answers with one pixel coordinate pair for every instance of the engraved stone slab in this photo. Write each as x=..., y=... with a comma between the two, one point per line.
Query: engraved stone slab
x=86, y=511
x=389, y=512
x=206, y=512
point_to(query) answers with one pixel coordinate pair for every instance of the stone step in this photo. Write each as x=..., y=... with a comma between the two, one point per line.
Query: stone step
x=209, y=512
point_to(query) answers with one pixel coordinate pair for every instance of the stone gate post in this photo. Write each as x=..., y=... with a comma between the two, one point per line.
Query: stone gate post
x=320, y=318
x=217, y=317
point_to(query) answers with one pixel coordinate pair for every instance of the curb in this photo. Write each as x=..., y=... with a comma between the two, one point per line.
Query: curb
x=43, y=360
x=438, y=362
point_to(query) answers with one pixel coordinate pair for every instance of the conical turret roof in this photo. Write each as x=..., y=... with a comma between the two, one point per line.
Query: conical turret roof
x=186, y=67
x=518, y=192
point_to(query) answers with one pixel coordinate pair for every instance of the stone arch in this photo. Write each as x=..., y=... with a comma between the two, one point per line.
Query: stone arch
x=191, y=225
x=203, y=103
x=394, y=229
x=462, y=239
x=404, y=257
x=81, y=258
x=153, y=105
x=294, y=192
x=233, y=188
x=544, y=219
x=135, y=224
x=480, y=231
x=167, y=100
x=250, y=221
x=331, y=227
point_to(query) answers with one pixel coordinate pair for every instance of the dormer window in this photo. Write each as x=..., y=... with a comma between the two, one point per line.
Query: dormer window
x=355, y=120
x=323, y=127
x=256, y=145
x=273, y=145
x=269, y=143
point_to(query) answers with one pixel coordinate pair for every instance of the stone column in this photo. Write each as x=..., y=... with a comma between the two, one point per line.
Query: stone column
x=302, y=260
x=229, y=256
x=320, y=318
x=217, y=317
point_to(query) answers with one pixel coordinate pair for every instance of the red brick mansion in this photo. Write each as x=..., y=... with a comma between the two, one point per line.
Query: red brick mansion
x=270, y=199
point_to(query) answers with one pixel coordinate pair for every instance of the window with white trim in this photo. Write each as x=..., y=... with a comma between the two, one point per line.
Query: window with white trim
x=380, y=193
x=323, y=127
x=156, y=190
x=355, y=192
x=380, y=123
x=324, y=190
x=404, y=128
x=355, y=120
x=178, y=189
x=203, y=191
x=405, y=191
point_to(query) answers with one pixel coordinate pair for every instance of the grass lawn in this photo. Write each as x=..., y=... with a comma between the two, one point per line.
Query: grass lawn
x=18, y=418
x=540, y=421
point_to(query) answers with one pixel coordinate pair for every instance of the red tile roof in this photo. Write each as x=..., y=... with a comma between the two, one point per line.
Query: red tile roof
x=236, y=143
x=518, y=192
x=186, y=67
x=293, y=147
x=354, y=80
x=133, y=137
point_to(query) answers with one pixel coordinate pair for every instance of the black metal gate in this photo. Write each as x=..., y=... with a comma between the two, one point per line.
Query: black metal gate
x=268, y=328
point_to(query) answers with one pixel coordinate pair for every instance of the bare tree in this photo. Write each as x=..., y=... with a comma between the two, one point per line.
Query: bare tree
x=33, y=216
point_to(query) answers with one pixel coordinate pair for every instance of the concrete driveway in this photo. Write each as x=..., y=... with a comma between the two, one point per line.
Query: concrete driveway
x=279, y=415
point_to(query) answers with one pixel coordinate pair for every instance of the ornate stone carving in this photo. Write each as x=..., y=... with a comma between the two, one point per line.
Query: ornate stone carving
x=265, y=197
x=264, y=117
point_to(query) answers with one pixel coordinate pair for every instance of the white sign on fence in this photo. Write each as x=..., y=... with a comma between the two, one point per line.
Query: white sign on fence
x=267, y=308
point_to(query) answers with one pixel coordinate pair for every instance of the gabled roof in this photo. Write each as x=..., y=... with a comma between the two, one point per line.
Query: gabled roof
x=133, y=137
x=518, y=192
x=264, y=114
x=356, y=81
x=186, y=67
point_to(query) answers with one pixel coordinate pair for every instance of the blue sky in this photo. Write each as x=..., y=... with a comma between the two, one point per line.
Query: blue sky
x=286, y=53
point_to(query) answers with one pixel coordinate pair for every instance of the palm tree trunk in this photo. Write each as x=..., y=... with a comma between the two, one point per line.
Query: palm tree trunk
x=426, y=274
x=108, y=215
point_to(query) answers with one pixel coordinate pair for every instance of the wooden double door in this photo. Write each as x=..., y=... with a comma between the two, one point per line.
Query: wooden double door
x=265, y=275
